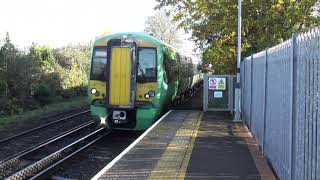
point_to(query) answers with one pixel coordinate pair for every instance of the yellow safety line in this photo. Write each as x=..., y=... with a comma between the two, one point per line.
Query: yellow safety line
x=186, y=160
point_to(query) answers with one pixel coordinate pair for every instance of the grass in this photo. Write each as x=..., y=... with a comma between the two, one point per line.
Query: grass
x=66, y=105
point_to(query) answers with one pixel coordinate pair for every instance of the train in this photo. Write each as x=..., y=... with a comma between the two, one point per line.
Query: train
x=134, y=77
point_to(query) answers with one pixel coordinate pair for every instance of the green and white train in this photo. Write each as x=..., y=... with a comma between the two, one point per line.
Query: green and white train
x=134, y=76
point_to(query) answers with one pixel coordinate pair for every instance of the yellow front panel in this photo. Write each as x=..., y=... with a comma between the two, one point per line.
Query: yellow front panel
x=120, y=76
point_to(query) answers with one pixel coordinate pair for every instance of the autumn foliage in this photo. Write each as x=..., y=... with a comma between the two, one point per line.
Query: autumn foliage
x=265, y=23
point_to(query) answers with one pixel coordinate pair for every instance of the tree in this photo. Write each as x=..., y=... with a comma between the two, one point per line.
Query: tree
x=214, y=25
x=74, y=62
x=7, y=53
x=17, y=71
x=162, y=27
x=37, y=77
x=43, y=57
x=78, y=54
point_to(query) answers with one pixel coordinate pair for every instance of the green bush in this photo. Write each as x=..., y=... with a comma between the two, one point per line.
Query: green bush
x=43, y=95
x=30, y=103
x=13, y=107
x=3, y=104
x=73, y=92
x=3, y=88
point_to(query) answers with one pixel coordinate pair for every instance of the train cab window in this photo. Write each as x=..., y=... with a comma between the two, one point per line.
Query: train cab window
x=146, y=70
x=99, y=60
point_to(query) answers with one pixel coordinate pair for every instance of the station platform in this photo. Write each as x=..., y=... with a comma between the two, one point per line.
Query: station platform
x=190, y=144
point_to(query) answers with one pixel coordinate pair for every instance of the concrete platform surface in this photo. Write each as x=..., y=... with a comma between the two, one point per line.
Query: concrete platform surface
x=189, y=144
x=226, y=150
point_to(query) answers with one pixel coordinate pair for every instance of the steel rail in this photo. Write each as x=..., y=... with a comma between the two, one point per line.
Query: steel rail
x=46, y=142
x=43, y=126
x=10, y=163
x=56, y=157
x=47, y=170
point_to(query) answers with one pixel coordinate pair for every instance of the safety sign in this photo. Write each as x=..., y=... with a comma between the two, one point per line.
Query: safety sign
x=217, y=83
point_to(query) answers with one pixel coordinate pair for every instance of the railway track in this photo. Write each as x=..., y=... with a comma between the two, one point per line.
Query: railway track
x=36, y=161
x=89, y=162
x=42, y=127
x=27, y=139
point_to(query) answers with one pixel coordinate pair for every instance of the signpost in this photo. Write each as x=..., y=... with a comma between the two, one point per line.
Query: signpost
x=237, y=100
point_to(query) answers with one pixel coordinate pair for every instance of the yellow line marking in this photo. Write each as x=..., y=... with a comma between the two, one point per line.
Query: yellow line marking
x=186, y=160
x=171, y=160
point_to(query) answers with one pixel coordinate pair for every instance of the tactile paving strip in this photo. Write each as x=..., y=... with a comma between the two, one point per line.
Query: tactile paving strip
x=169, y=164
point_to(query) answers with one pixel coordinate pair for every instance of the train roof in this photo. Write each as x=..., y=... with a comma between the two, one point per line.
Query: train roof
x=140, y=36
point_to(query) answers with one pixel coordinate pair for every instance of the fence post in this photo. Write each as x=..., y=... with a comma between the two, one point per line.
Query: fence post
x=231, y=102
x=242, y=87
x=265, y=102
x=294, y=76
x=251, y=82
x=205, y=93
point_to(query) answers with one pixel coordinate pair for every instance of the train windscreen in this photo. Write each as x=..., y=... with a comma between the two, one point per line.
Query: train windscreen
x=98, y=66
x=146, y=70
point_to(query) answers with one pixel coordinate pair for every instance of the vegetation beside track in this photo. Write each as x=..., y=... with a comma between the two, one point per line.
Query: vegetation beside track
x=35, y=77
x=58, y=107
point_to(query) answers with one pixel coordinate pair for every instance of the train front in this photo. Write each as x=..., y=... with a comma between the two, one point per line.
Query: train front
x=123, y=82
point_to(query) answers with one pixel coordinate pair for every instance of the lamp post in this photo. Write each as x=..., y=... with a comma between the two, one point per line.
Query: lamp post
x=237, y=89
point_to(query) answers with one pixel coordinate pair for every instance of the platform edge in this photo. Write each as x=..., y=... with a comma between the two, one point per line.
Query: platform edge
x=116, y=159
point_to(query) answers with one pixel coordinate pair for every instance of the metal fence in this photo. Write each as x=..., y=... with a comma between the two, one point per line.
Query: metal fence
x=281, y=99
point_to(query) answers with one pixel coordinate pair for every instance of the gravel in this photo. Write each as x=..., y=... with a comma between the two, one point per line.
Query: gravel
x=89, y=162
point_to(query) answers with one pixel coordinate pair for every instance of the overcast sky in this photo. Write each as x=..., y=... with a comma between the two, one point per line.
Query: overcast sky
x=60, y=22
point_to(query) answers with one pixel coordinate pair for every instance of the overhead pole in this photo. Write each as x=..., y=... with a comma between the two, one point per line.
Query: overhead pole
x=237, y=116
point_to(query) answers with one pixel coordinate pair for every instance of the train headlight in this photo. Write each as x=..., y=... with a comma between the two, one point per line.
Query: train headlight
x=93, y=91
x=147, y=96
x=151, y=93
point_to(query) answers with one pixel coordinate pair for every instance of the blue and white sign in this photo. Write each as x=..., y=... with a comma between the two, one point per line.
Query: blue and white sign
x=218, y=94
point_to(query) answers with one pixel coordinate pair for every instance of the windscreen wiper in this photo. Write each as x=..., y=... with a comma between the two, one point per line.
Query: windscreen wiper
x=141, y=70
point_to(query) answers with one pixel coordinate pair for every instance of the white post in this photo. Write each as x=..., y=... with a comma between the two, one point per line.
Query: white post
x=237, y=89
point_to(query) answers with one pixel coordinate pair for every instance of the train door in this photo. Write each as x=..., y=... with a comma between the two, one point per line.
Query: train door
x=121, y=70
